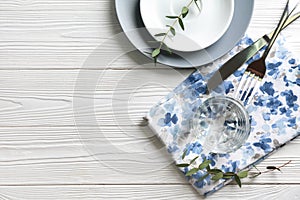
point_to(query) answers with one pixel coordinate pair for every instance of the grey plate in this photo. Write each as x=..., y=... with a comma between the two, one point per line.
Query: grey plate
x=128, y=12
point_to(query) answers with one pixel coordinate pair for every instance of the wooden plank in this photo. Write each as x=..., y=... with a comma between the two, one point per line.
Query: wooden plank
x=46, y=97
x=60, y=155
x=263, y=192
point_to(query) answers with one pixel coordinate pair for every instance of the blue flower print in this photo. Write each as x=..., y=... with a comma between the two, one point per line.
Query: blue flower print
x=212, y=157
x=264, y=143
x=280, y=126
x=194, y=77
x=195, y=147
x=285, y=111
x=292, y=61
x=298, y=81
x=267, y=87
x=238, y=73
x=197, y=176
x=173, y=148
x=266, y=116
x=228, y=86
x=281, y=52
x=273, y=69
x=169, y=107
x=231, y=166
x=290, y=99
x=168, y=120
x=292, y=122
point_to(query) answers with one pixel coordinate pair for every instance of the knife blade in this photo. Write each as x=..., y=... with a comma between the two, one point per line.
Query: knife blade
x=240, y=58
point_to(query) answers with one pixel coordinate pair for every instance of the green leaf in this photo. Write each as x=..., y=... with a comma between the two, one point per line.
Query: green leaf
x=184, y=11
x=227, y=177
x=181, y=23
x=208, y=168
x=204, y=164
x=203, y=177
x=238, y=180
x=217, y=177
x=184, y=154
x=172, y=17
x=215, y=171
x=173, y=31
x=183, y=165
x=194, y=160
x=229, y=174
x=160, y=34
x=168, y=49
x=155, y=53
x=243, y=174
x=192, y=171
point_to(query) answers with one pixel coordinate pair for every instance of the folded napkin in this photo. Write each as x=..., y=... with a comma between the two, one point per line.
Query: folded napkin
x=275, y=114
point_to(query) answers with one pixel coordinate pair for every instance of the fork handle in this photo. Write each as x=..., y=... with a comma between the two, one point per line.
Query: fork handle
x=282, y=21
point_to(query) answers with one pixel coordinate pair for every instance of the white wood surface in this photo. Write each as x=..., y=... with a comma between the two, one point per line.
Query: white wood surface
x=43, y=45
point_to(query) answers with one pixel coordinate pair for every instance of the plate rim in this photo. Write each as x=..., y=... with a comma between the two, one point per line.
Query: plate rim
x=197, y=62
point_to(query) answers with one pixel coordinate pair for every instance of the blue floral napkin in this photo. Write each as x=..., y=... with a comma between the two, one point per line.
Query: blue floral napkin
x=275, y=115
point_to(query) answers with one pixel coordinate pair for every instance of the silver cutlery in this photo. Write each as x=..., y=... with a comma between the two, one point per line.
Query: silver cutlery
x=254, y=73
x=240, y=58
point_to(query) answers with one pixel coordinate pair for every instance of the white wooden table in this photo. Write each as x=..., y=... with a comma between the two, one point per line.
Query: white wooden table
x=43, y=45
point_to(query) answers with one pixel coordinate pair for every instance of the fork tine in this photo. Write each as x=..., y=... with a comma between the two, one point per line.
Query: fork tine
x=241, y=85
x=248, y=92
x=246, y=87
x=254, y=90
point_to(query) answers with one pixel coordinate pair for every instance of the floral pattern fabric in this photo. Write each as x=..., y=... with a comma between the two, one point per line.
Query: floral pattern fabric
x=274, y=114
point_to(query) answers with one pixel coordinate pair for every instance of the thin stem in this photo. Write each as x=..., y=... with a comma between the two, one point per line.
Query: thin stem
x=169, y=30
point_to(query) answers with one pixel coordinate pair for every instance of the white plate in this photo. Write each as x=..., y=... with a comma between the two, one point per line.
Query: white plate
x=202, y=28
x=129, y=16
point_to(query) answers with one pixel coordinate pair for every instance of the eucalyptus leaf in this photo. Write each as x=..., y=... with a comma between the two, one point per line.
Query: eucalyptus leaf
x=243, y=174
x=272, y=167
x=155, y=53
x=181, y=23
x=172, y=29
x=183, y=165
x=192, y=171
x=184, y=154
x=215, y=171
x=208, y=168
x=194, y=160
x=227, y=177
x=172, y=17
x=204, y=164
x=238, y=180
x=160, y=34
x=229, y=174
x=184, y=11
x=217, y=177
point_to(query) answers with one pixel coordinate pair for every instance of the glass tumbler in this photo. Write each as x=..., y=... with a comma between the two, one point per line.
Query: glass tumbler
x=221, y=125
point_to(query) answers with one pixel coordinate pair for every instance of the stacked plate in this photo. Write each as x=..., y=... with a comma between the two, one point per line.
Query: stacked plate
x=209, y=32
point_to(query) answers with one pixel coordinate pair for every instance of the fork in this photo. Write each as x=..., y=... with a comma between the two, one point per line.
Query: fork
x=255, y=72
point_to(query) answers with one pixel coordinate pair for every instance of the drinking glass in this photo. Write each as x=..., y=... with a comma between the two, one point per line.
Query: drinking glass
x=221, y=124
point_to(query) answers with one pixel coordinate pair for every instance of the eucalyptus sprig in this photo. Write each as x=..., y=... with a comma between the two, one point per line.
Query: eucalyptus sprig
x=171, y=31
x=269, y=169
x=216, y=174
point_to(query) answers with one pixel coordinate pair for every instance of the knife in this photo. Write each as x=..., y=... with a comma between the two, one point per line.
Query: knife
x=240, y=58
